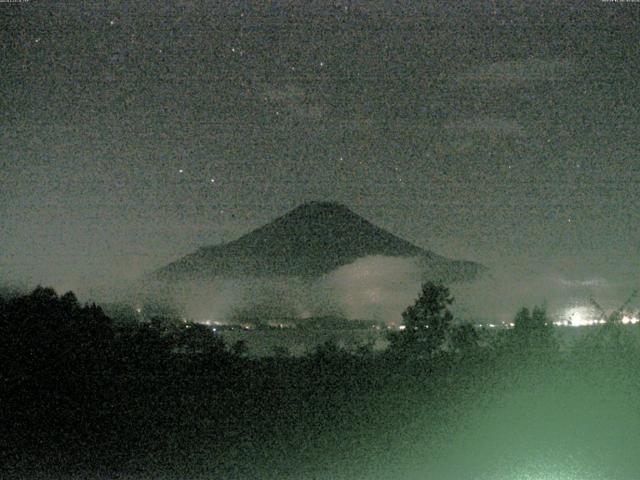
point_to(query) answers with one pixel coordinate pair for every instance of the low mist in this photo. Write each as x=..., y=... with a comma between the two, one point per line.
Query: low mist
x=380, y=288
x=502, y=291
x=373, y=288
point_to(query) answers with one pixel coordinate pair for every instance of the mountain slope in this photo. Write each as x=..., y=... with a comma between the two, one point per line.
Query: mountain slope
x=313, y=239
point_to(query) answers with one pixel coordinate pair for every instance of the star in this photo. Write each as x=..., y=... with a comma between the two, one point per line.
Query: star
x=213, y=180
x=181, y=171
x=112, y=22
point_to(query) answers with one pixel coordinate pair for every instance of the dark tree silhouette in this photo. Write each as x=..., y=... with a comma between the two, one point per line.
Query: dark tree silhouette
x=328, y=349
x=280, y=351
x=465, y=339
x=198, y=339
x=427, y=323
x=532, y=335
x=42, y=332
x=239, y=348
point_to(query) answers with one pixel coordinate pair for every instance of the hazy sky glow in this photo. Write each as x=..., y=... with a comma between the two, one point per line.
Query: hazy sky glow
x=501, y=132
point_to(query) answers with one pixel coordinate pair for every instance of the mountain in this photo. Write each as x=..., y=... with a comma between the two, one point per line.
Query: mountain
x=313, y=239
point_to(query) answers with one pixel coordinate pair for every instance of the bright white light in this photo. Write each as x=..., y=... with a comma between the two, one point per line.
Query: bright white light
x=585, y=316
x=578, y=317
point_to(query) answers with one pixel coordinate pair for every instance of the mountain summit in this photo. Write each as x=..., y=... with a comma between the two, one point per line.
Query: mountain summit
x=312, y=239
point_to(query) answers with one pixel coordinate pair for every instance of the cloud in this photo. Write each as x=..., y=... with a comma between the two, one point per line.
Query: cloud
x=498, y=296
x=380, y=288
x=589, y=282
x=520, y=71
x=219, y=300
x=375, y=287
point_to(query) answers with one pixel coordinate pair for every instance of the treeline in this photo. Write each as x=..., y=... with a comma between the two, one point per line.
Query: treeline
x=84, y=394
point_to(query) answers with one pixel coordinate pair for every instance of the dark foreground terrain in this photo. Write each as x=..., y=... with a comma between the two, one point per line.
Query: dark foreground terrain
x=85, y=397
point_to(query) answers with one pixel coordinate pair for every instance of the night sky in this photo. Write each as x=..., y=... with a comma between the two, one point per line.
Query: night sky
x=132, y=133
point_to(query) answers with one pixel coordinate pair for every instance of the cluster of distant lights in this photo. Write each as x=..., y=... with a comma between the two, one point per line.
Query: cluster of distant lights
x=584, y=317
x=572, y=317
